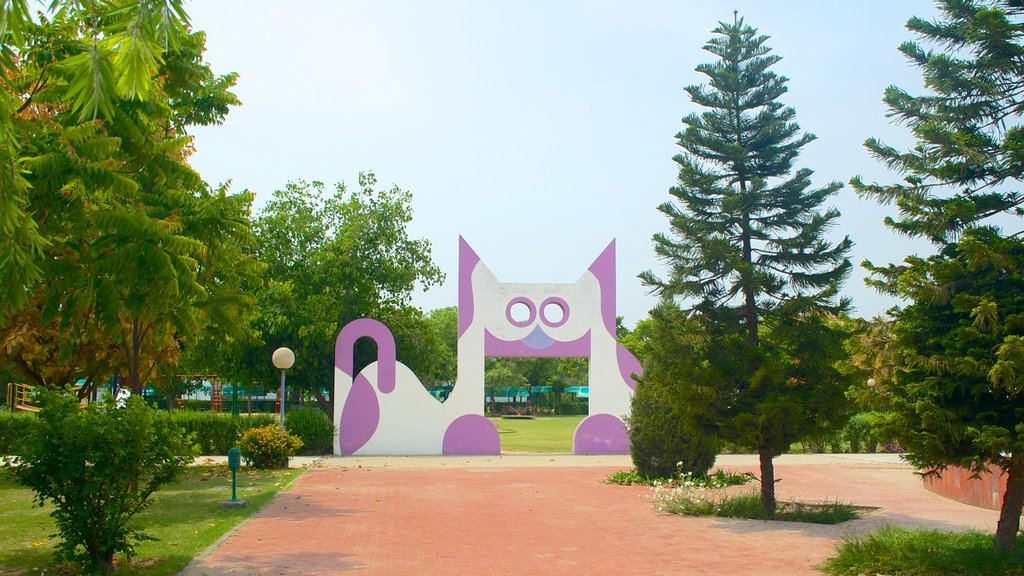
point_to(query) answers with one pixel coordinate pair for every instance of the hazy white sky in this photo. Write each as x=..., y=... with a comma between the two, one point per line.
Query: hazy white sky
x=539, y=131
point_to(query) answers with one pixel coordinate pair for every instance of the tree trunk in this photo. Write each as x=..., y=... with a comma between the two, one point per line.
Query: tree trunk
x=749, y=300
x=767, y=483
x=134, y=361
x=324, y=403
x=1013, y=501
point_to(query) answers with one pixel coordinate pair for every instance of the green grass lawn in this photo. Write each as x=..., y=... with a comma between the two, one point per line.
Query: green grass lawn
x=186, y=518
x=897, y=551
x=540, y=435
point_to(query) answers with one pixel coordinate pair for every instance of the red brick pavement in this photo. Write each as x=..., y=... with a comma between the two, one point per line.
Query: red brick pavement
x=555, y=520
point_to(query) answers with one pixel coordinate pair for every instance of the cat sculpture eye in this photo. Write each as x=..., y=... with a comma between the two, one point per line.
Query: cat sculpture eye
x=522, y=312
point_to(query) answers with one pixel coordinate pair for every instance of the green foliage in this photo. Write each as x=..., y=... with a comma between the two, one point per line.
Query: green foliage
x=859, y=435
x=632, y=477
x=98, y=468
x=718, y=479
x=265, y=447
x=14, y=427
x=74, y=63
x=502, y=376
x=334, y=256
x=695, y=500
x=215, y=434
x=556, y=373
x=136, y=254
x=954, y=396
x=921, y=552
x=749, y=254
x=572, y=407
x=185, y=520
x=663, y=442
x=441, y=367
x=796, y=392
x=312, y=427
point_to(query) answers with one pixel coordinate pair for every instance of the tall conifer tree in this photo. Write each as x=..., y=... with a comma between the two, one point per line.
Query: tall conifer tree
x=748, y=253
x=957, y=395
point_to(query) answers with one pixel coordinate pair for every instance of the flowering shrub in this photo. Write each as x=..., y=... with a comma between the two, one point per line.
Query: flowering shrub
x=264, y=447
x=698, y=497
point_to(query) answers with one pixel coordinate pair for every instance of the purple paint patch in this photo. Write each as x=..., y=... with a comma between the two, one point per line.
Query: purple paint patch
x=494, y=346
x=628, y=365
x=471, y=434
x=344, y=350
x=359, y=417
x=538, y=339
x=604, y=270
x=467, y=263
x=600, y=434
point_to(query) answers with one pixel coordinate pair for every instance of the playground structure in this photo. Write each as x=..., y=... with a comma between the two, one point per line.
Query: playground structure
x=385, y=410
x=20, y=397
x=216, y=390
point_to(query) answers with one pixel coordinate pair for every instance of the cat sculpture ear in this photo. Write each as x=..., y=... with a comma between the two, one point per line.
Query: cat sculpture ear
x=603, y=269
x=470, y=266
x=468, y=261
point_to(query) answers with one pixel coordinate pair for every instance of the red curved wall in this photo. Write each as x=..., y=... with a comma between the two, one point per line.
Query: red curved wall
x=956, y=483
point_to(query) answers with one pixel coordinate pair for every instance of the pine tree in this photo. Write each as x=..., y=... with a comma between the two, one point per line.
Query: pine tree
x=748, y=252
x=955, y=398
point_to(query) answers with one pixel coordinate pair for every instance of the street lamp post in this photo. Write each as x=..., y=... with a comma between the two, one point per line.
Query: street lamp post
x=283, y=359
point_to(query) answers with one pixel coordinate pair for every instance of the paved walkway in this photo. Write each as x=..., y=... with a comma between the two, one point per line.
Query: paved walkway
x=554, y=515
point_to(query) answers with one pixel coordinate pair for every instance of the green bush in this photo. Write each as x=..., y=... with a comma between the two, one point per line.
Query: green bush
x=313, y=427
x=858, y=433
x=13, y=427
x=835, y=442
x=265, y=448
x=216, y=433
x=662, y=443
x=572, y=407
x=98, y=467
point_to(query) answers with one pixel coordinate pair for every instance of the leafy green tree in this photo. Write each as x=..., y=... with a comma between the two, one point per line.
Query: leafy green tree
x=501, y=376
x=116, y=55
x=332, y=258
x=748, y=249
x=134, y=244
x=442, y=356
x=635, y=340
x=98, y=468
x=954, y=395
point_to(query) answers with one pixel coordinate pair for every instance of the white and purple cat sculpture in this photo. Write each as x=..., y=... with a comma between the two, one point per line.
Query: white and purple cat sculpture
x=385, y=410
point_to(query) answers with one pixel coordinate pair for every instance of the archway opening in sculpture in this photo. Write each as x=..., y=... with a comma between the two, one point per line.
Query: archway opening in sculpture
x=536, y=403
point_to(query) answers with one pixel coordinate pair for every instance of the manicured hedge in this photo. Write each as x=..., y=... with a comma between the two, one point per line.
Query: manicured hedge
x=313, y=427
x=213, y=433
x=217, y=433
